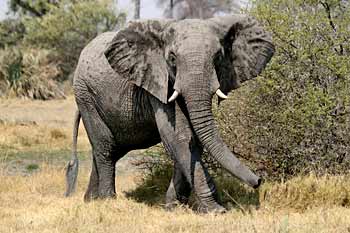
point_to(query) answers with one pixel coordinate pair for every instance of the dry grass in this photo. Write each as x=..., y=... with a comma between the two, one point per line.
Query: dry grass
x=302, y=193
x=25, y=137
x=33, y=201
x=36, y=204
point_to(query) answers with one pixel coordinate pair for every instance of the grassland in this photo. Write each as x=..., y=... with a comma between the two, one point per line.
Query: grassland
x=33, y=153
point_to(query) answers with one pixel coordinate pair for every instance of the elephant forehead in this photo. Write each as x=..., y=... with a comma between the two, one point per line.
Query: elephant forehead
x=194, y=34
x=198, y=44
x=191, y=26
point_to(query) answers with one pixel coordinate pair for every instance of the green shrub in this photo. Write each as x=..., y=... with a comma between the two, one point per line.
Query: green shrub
x=296, y=118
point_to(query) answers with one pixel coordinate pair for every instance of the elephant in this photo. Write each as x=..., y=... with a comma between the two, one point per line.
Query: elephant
x=154, y=81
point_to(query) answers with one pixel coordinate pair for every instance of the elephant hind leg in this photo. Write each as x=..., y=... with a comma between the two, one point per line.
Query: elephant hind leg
x=92, y=190
x=98, y=188
x=102, y=179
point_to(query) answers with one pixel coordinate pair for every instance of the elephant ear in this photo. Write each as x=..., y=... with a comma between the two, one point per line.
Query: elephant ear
x=247, y=48
x=136, y=54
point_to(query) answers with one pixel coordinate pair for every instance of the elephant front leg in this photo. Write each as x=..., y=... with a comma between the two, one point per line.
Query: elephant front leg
x=179, y=189
x=180, y=142
x=102, y=178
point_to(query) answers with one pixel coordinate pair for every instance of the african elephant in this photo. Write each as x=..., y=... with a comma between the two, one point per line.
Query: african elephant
x=154, y=81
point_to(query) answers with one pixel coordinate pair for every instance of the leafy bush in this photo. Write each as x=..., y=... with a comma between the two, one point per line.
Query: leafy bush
x=296, y=119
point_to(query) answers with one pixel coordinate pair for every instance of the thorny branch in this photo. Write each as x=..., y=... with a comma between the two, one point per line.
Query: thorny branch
x=29, y=8
x=331, y=23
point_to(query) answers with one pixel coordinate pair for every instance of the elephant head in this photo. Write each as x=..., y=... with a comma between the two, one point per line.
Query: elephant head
x=194, y=59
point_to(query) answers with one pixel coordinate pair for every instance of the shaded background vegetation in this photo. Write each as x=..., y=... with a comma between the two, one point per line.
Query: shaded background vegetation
x=292, y=120
x=52, y=33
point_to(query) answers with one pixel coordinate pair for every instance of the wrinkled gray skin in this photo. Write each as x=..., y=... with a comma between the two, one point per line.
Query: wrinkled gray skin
x=124, y=79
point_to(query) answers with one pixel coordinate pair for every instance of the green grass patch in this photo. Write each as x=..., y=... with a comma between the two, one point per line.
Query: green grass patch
x=42, y=155
x=32, y=167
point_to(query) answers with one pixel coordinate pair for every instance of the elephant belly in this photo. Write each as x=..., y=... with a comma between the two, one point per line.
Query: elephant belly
x=131, y=135
x=130, y=118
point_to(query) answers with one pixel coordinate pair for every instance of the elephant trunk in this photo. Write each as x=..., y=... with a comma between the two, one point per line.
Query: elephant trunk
x=201, y=117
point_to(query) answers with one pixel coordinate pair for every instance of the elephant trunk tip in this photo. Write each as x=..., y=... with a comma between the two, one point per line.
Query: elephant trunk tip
x=248, y=177
x=257, y=183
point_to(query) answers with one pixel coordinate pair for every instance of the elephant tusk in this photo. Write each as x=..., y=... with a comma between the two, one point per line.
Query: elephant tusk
x=174, y=96
x=220, y=94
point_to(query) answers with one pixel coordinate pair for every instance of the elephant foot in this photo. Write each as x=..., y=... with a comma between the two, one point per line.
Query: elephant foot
x=171, y=206
x=107, y=194
x=212, y=208
x=90, y=196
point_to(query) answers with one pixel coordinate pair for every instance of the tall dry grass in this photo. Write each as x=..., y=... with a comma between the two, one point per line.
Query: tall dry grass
x=29, y=73
x=36, y=204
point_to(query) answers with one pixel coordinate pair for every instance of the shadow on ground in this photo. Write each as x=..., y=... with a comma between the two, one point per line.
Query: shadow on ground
x=153, y=186
x=233, y=194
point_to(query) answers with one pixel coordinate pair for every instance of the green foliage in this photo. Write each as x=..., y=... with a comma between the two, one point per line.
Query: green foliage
x=296, y=119
x=32, y=7
x=32, y=167
x=157, y=173
x=68, y=27
x=11, y=32
x=40, y=48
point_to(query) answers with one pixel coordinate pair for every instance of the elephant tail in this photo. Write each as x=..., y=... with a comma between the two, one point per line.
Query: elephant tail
x=73, y=164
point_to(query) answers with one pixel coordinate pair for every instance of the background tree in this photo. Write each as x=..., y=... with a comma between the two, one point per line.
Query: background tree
x=11, y=32
x=181, y=9
x=32, y=7
x=41, y=45
x=68, y=28
x=137, y=6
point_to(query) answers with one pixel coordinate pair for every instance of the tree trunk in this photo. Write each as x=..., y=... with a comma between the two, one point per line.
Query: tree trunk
x=171, y=9
x=137, y=9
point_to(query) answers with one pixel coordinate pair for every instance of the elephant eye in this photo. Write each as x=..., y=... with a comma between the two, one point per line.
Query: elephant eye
x=172, y=59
